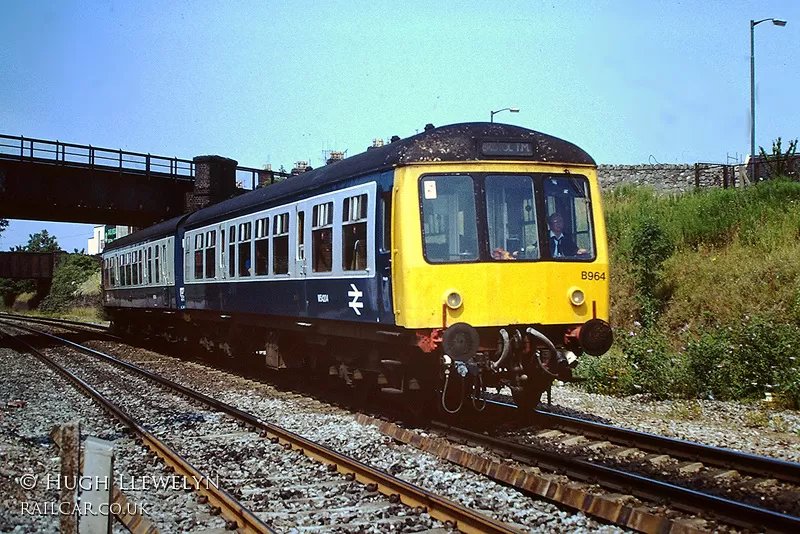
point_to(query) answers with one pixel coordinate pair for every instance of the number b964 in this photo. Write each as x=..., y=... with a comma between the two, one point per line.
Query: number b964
x=593, y=275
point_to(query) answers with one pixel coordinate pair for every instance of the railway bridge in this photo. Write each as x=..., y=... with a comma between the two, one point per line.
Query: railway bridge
x=55, y=181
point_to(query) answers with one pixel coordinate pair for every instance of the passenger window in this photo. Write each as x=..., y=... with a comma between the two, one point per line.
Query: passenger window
x=301, y=235
x=158, y=267
x=321, y=236
x=232, y=251
x=262, y=246
x=135, y=269
x=128, y=269
x=149, y=265
x=354, y=233
x=222, y=252
x=164, y=263
x=211, y=254
x=198, y=256
x=280, y=244
x=245, y=267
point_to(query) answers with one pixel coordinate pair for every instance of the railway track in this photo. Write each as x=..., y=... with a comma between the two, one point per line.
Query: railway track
x=419, y=502
x=727, y=459
x=79, y=325
x=583, y=450
x=237, y=516
x=628, y=481
x=733, y=487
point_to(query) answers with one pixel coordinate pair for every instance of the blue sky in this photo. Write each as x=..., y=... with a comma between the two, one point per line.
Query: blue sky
x=277, y=82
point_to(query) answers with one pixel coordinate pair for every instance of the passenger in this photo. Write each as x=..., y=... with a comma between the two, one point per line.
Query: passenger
x=561, y=244
x=500, y=253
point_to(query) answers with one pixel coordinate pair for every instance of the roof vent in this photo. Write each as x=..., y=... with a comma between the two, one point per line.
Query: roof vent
x=429, y=126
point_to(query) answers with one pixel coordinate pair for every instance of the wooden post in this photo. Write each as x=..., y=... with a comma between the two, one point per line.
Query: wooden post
x=70, y=460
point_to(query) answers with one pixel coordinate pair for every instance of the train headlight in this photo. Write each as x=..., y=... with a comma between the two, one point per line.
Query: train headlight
x=576, y=296
x=453, y=300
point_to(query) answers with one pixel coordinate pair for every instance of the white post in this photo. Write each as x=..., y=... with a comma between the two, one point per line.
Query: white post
x=98, y=459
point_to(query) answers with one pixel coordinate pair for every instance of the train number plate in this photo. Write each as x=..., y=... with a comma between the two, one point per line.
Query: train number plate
x=593, y=275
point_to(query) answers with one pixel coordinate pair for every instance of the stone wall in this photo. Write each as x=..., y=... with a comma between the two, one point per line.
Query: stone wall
x=667, y=179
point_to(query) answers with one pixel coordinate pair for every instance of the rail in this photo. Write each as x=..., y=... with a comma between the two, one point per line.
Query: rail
x=237, y=516
x=57, y=153
x=688, y=450
x=689, y=500
x=415, y=497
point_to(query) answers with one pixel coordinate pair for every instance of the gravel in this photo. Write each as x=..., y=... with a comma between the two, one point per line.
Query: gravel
x=33, y=399
x=338, y=429
x=752, y=428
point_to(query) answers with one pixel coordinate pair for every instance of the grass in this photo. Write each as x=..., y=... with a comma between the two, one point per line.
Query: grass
x=88, y=314
x=719, y=315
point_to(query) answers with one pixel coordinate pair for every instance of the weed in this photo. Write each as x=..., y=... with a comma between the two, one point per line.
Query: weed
x=779, y=424
x=686, y=411
x=756, y=419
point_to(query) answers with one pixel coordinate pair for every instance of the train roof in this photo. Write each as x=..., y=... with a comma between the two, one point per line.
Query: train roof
x=456, y=142
x=157, y=231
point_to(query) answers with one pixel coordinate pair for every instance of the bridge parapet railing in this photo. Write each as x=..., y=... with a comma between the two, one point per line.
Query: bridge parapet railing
x=88, y=156
x=251, y=178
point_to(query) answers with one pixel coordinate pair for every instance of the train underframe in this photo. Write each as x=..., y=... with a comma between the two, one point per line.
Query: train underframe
x=450, y=367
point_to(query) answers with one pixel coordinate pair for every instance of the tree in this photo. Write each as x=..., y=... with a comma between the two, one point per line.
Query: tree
x=39, y=242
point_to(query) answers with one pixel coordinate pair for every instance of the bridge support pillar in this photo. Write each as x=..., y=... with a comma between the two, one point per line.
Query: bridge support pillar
x=215, y=180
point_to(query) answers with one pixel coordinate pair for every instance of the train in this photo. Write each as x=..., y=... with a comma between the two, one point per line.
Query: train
x=466, y=257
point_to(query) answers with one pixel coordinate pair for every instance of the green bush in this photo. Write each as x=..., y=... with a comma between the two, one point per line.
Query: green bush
x=705, y=293
x=608, y=374
x=650, y=248
x=744, y=361
x=70, y=273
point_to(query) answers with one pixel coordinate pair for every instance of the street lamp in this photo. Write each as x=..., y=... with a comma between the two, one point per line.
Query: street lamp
x=753, y=24
x=493, y=113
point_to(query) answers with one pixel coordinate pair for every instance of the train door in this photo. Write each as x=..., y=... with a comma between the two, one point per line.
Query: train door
x=300, y=258
x=168, y=273
x=383, y=225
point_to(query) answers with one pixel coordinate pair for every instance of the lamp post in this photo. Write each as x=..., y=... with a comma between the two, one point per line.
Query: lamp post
x=493, y=113
x=753, y=24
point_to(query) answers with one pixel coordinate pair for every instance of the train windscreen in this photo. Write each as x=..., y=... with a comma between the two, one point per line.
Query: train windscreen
x=527, y=217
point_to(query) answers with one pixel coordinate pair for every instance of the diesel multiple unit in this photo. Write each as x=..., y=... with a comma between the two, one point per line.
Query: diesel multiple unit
x=465, y=257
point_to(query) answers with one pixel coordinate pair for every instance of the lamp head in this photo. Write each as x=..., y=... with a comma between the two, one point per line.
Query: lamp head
x=779, y=22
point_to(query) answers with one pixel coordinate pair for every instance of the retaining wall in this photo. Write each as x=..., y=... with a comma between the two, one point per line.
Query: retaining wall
x=667, y=179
